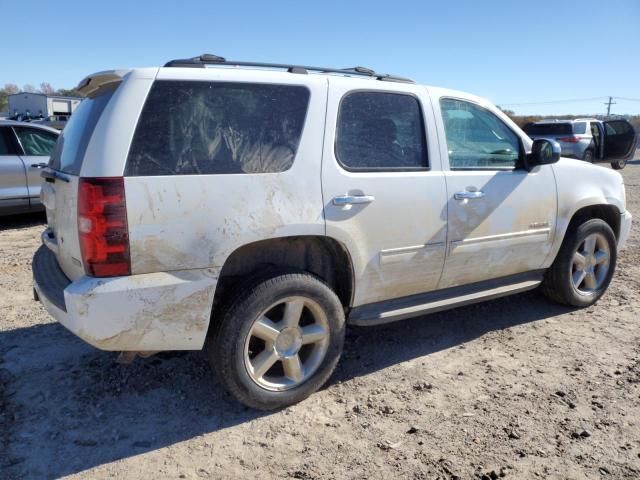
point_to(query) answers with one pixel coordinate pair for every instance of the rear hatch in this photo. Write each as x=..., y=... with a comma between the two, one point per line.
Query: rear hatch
x=60, y=188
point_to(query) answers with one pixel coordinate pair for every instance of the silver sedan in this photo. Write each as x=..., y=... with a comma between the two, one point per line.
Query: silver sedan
x=24, y=151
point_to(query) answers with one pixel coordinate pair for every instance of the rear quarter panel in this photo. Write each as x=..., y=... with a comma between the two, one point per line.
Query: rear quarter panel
x=197, y=221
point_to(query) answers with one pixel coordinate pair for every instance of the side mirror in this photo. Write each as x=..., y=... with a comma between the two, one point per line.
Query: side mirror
x=543, y=152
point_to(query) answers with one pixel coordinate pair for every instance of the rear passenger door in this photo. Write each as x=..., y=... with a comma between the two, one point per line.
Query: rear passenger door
x=383, y=188
x=13, y=180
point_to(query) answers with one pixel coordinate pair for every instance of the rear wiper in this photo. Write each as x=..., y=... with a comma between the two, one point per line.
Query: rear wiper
x=52, y=175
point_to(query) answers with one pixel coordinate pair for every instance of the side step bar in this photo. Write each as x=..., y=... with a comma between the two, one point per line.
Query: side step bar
x=431, y=302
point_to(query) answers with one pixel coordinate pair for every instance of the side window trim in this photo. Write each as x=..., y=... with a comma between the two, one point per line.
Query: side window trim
x=521, y=151
x=424, y=137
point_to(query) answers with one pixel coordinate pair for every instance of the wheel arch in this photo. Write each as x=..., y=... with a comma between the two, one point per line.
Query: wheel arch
x=322, y=256
x=610, y=213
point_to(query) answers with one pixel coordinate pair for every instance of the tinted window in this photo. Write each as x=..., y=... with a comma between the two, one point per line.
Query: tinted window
x=72, y=142
x=580, y=128
x=4, y=147
x=36, y=142
x=380, y=131
x=617, y=127
x=208, y=128
x=548, y=129
x=476, y=138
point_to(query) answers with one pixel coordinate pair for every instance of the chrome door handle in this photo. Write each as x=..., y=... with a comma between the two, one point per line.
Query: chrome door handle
x=38, y=165
x=352, y=200
x=466, y=195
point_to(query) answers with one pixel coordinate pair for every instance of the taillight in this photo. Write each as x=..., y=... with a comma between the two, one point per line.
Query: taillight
x=102, y=227
x=569, y=139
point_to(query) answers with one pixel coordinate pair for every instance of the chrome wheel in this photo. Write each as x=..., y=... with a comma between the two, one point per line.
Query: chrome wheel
x=287, y=343
x=590, y=264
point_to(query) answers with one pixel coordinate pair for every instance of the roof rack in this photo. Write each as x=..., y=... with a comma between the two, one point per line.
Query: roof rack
x=209, y=59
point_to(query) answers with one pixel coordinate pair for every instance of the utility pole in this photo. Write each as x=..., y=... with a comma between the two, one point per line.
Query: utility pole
x=608, y=104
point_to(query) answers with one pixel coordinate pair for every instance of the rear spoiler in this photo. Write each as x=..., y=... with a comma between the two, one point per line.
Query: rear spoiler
x=95, y=81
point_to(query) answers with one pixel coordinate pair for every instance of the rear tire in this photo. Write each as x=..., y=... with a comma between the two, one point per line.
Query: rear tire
x=618, y=164
x=279, y=339
x=588, y=156
x=584, y=266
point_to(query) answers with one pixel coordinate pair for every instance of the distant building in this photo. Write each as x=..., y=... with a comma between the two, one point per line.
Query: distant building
x=26, y=105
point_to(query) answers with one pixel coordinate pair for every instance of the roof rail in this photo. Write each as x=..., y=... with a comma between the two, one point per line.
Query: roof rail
x=203, y=60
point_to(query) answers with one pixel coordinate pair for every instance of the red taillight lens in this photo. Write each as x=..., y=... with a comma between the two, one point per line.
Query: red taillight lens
x=102, y=227
x=569, y=139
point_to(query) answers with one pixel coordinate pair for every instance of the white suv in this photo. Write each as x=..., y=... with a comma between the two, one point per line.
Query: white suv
x=259, y=208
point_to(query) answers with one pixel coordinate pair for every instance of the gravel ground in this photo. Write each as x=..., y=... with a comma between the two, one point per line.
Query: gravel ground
x=516, y=387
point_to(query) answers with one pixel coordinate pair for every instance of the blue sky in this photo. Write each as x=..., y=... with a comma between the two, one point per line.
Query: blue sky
x=507, y=51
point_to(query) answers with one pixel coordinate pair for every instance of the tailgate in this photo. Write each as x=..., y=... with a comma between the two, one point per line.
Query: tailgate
x=60, y=189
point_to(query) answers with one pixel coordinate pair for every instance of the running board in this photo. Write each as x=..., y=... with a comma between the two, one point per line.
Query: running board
x=431, y=302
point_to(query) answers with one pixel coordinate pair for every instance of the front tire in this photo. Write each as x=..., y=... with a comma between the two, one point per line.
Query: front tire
x=584, y=266
x=279, y=339
x=618, y=164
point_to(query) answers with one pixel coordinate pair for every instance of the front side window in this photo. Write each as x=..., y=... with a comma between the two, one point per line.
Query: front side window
x=36, y=142
x=477, y=138
x=190, y=128
x=380, y=131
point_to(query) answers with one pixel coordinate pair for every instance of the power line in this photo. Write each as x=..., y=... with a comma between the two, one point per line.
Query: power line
x=571, y=100
x=550, y=102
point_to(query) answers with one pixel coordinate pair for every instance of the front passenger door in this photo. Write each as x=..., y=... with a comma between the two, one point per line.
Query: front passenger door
x=501, y=217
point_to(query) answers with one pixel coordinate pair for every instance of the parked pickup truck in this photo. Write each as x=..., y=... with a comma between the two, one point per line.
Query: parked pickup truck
x=258, y=208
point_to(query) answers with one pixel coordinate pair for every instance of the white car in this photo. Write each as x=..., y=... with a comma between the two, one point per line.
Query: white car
x=259, y=208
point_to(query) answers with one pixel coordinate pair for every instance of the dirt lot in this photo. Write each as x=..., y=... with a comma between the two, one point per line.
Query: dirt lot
x=516, y=387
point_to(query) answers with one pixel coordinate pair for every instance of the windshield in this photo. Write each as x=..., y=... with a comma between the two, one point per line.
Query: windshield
x=69, y=150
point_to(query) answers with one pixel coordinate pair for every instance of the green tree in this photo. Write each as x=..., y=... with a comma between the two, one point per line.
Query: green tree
x=8, y=89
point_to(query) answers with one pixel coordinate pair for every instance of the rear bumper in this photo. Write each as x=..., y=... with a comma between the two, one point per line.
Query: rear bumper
x=625, y=229
x=149, y=312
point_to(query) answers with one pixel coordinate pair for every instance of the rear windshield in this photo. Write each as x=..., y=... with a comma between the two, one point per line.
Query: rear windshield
x=190, y=128
x=72, y=143
x=548, y=129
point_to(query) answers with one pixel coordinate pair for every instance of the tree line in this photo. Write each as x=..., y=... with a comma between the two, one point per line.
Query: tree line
x=45, y=87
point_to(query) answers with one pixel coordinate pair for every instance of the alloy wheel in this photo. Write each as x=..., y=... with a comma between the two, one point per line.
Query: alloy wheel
x=287, y=343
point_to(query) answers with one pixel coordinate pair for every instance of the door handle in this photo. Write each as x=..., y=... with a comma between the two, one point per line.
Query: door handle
x=38, y=165
x=353, y=200
x=466, y=195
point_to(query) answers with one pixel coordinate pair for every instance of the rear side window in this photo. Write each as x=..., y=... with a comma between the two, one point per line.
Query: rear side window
x=36, y=142
x=72, y=143
x=548, y=129
x=579, y=128
x=189, y=128
x=381, y=131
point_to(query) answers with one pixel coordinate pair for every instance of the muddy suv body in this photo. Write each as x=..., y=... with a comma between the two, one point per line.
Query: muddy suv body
x=259, y=208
